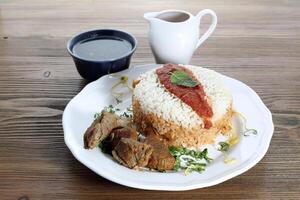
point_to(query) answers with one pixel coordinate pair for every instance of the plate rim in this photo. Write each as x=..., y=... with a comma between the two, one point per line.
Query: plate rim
x=241, y=169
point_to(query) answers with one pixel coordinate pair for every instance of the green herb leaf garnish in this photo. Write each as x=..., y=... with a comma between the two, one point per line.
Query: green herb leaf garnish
x=197, y=167
x=177, y=151
x=224, y=146
x=97, y=114
x=182, y=78
x=128, y=113
x=111, y=109
x=118, y=100
x=189, y=160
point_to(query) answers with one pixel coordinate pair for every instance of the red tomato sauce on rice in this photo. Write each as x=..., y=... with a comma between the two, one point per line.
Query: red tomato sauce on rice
x=195, y=96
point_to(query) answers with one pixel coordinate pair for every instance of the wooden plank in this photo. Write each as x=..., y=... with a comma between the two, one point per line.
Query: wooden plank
x=257, y=42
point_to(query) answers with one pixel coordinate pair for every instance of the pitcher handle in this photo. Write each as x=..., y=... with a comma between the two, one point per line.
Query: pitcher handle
x=211, y=28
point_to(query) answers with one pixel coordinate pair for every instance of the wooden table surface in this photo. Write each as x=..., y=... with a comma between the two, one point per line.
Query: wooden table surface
x=257, y=42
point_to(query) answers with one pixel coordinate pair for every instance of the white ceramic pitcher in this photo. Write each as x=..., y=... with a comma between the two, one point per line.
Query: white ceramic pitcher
x=174, y=34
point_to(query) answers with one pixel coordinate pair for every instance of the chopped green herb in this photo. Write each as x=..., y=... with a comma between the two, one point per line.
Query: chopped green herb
x=128, y=113
x=97, y=114
x=111, y=109
x=118, y=100
x=177, y=165
x=224, y=146
x=124, y=79
x=189, y=160
x=177, y=151
x=182, y=78
x=197, y=167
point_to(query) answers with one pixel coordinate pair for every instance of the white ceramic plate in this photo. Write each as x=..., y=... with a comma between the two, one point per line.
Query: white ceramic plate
x=79, y=113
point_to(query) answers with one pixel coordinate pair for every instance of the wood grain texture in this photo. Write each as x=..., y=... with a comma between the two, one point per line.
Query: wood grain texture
x=257, y=42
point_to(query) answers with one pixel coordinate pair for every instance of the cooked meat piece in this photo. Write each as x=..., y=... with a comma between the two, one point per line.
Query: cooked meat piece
x=132, y=153
x=100, y=129
x=115, y=136
x=125, y=122
x=161, y=159
x=123, y=132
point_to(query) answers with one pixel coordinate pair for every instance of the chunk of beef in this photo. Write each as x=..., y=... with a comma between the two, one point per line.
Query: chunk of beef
x=122, y=132
x=160, y=159
x=100, y=129
x=132, y=153
x=124, y=122
x=115, y=136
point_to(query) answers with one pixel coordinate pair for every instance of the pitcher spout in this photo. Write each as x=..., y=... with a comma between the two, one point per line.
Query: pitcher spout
x=150, y=16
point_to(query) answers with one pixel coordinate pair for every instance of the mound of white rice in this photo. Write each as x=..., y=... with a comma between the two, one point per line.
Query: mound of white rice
x=151, y=98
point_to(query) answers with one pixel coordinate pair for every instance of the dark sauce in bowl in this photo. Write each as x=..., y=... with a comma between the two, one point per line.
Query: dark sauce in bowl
x=102, y=48
x=100, y=52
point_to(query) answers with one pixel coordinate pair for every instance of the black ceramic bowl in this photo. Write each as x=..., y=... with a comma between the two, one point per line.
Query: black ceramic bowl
x=94, y=69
